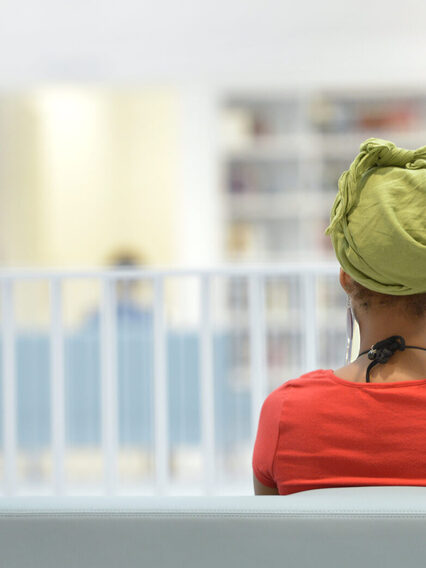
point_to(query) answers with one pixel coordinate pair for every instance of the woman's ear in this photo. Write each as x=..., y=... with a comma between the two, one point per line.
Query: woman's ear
x=344, y=280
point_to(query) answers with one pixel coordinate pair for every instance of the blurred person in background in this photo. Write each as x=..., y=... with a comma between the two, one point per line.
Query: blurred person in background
x=129, y=308
x=364, y=423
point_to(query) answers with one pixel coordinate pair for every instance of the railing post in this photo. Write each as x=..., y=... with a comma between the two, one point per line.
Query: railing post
x=257, y=347
x=9, y=391
x=161, y=411
x=207, y=387
x=57, y=390
x=109, y=389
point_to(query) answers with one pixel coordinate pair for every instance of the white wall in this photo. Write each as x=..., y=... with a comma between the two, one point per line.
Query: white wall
x=228, y=41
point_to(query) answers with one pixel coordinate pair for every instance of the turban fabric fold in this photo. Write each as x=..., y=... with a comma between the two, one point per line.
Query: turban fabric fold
x=378, y=219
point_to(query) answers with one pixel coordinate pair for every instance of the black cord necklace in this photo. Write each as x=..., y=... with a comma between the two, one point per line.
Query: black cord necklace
x=383, y=350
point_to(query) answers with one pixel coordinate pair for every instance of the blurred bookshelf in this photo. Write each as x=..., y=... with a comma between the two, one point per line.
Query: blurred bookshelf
x=281, y=155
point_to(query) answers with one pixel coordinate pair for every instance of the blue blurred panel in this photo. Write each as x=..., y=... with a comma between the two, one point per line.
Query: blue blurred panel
x=33, y=390
x=82, y=388
x=183, y=389
x=135, y=385
x=1, y=394
x=232, y=427
x=135, y=389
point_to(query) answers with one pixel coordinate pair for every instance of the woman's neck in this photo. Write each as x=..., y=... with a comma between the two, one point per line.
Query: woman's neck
x=376, y=327
x=403, y=365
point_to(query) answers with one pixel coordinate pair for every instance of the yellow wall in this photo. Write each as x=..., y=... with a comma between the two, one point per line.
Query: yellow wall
x=96, y=171
x=19, y=182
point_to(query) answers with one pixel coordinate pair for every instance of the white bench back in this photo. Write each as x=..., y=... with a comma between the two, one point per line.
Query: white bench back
x=348, y=527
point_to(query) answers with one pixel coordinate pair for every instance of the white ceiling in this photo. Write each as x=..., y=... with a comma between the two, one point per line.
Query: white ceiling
x=231, y=41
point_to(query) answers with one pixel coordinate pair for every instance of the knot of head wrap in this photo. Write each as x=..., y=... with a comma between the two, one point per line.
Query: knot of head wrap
x=378, y=219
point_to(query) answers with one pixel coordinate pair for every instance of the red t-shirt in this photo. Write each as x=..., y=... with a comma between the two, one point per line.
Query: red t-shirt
x=323, y=431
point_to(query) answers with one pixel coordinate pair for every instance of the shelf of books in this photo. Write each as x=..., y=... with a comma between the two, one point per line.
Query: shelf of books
x=281, y=156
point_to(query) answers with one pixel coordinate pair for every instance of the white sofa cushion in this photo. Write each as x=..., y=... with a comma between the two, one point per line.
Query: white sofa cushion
x=348, y=527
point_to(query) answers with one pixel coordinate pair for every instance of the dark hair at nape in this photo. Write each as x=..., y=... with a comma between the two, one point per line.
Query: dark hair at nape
x=414, y=304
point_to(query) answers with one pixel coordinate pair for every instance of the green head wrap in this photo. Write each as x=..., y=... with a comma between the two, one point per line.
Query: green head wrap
x=378, y=219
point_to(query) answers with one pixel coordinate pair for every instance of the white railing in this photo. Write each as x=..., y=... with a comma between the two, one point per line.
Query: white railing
x=307, y=275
